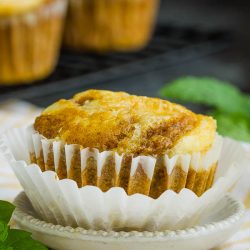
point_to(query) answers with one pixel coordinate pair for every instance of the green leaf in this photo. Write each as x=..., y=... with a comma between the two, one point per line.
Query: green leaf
x=21, y=240
x=207, y=91
x=233, y=126
x=13, y=239
x=28, y=245
x=6, y=210
x=3, y=231
x=15, y=235
x=247, y=101
x=4, y=247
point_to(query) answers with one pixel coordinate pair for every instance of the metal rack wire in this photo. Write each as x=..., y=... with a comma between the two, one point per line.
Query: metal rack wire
x=169, y=46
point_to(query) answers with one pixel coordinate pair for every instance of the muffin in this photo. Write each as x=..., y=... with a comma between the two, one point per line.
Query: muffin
x=30, y=32
x=145, y=145
x=96, y=160
x=109, y=25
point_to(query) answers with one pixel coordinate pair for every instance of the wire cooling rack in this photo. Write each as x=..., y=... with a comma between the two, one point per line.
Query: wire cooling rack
x=77, y=71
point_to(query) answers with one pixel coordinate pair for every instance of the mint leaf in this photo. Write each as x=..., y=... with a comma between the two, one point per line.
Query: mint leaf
x=247, y=101
x=3, y=231
x=15, y=235
x=3, y=247
x=28, y=245
x=234, y=126
x=13, y=239
x=208, y=91
x=21, y=240
x=6, y=210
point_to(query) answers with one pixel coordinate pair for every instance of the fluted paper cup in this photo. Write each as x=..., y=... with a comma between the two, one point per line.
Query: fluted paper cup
x=135, y=174
x=64, y=202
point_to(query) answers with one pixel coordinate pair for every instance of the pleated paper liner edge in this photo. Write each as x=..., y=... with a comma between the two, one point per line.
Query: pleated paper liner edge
x=148, y=175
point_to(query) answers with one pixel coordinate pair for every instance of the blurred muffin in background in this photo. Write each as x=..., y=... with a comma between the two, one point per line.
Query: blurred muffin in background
x=30, y=37
x=109, y=25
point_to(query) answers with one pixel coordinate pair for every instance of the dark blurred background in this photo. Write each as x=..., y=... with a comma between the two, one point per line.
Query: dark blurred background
x=233, y=64
x=208, y=38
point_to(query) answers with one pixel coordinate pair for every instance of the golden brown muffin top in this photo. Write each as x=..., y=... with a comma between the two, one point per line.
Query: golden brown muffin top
x=12, y=7
x=126, y=124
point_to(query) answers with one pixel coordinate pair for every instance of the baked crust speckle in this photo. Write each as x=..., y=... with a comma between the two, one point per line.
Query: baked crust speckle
x=126, y=124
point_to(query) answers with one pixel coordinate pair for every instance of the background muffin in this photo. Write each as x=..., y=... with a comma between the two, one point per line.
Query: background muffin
x=158, y=145
x=30, y=32
x=109, y=25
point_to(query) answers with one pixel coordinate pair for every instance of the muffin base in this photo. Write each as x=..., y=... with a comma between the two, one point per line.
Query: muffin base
x=145, y=175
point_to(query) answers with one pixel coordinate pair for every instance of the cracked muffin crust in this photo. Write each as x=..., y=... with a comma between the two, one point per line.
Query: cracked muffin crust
x=126, y=123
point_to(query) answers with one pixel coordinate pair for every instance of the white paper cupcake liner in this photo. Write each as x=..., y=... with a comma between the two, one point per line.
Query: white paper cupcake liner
x=195, y=171
x=62, y=202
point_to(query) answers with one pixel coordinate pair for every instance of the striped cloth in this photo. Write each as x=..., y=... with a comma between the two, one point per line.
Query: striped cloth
x=13, y=114
x=17, y=113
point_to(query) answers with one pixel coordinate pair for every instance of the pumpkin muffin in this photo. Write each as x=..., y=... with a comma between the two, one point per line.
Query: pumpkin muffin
x=30, y=32
x=144, y=145
x=109, y=25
